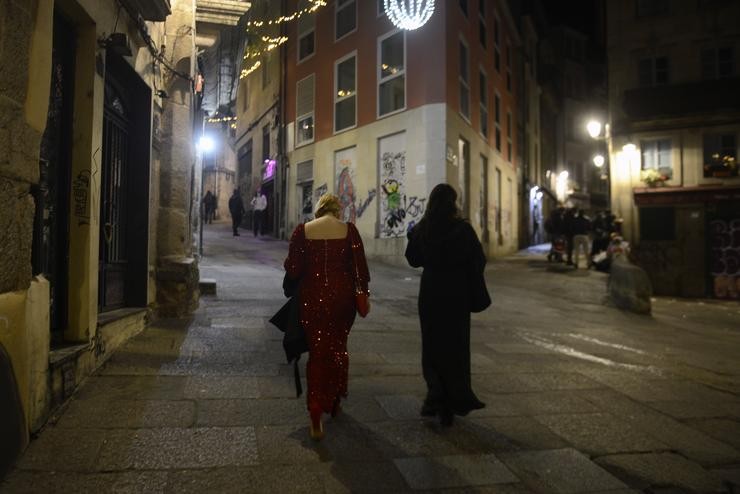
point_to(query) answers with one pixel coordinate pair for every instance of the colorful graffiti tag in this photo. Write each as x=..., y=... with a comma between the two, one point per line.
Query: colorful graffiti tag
x=724, y=244
x=398, y=211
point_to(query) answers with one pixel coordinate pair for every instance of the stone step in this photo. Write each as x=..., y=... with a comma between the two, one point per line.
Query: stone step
x=207, y=286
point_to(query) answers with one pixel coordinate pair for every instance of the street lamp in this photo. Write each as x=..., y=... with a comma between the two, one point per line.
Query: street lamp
x=594, y=128
x=206, y=144
x=599, y=160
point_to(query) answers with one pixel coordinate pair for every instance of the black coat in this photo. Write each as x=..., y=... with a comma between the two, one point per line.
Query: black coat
x=453, y=262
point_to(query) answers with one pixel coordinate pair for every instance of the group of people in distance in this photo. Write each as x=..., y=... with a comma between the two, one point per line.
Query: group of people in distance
x=596, y=238
x=327, y=259
x=237, y=210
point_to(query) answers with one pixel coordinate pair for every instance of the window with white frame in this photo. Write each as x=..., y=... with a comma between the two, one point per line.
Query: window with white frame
x=497, y=120
x=656, y=155
x=391, y=73
x=306, y=36
x=482, y=29
x=496, y=44
x=304, y=127
x=346, y=18
x=653, y=71
x=717, y=63
x=720, y=155
x=464, y=80
x=345, y=93
x=483, y=79
x=464, y=7
x=508, y=136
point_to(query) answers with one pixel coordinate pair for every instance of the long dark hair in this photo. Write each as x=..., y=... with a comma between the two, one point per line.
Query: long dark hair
x=441, y=211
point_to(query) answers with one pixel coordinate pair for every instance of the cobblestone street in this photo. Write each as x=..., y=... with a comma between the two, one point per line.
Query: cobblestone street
x=581, y=397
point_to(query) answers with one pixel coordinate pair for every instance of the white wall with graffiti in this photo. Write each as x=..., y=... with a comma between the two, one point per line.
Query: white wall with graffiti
x=381, y=172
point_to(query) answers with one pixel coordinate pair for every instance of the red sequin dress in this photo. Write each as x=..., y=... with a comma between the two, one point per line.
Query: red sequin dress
x=327, y=272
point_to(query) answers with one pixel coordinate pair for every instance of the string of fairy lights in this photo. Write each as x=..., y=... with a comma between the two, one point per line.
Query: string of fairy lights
x=408, y=15
x=270, y=43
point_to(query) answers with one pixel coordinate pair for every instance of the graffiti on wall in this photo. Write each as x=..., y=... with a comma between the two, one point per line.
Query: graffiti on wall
x=364, y=204
x=392, y=178
x=346, y=194
x=320, y=191
x=724, y=244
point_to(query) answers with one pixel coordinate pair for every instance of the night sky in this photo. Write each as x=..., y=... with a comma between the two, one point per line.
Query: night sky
x=578, y=14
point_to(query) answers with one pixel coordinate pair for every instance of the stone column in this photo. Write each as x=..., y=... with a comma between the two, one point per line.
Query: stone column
x=177, y=269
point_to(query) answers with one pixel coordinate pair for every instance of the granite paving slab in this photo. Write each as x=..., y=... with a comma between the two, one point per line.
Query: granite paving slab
x=663, y=470
x=152, y=449
x=560, y=471
x=522, y=433
x=400, y=407
x=453, y=471
x=600, y=433
x=132, y=414
x=277, y=411
x=26, y=482
x=221, y=387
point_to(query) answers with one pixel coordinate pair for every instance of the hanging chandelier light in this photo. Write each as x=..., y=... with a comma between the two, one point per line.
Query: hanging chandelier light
x=409, y=14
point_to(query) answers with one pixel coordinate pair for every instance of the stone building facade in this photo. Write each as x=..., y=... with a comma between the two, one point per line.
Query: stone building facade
x=96, y=170
x=674, y=107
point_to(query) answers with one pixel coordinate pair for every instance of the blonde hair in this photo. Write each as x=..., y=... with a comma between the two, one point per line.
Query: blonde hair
x=328, y=203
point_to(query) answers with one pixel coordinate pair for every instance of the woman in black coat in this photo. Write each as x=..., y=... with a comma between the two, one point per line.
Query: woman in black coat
x=452, y=286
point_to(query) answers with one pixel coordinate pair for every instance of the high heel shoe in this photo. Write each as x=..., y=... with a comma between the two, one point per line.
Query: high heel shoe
x=316, y=428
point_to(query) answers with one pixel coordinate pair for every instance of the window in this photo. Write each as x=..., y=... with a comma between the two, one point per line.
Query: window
x=499, y=189
x=345, y=93
x=497, y=119
x=381, y=7
x=464, y=7
x=496, y=45
x=464, y=81
x=720, y=155
x=306, y=36
x=508, y=136
x=245, y=94
x=717, y=63
x=482, y=8
x=265, y=143
x=650, y=8
x=346, y=18
x=265, y=71
x=483, y=103
x=482, y=32
x=656, y=155
x=653, y=71
x=305, y=111
x=392, y=73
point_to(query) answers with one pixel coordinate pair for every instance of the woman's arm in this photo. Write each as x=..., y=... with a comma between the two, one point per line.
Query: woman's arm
x=413, y=250
x=358, y=254
x=295, y=261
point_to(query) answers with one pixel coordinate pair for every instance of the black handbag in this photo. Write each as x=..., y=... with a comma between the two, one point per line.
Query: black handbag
x=480, y=300
x=287, y=320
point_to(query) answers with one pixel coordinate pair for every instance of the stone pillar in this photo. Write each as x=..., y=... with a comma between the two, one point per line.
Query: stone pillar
x=177, y=270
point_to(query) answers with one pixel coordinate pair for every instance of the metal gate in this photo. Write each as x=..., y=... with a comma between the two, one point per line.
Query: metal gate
x=113, y=231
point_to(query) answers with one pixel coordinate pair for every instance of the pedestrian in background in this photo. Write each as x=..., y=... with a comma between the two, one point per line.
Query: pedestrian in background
x=568, y=229
x=452, y=285
x=236, y=208
x=327, y=258
x=208, y=204
x=259, y=205
x=581, y=239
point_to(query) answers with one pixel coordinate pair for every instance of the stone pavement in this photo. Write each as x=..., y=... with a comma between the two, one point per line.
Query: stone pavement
x=582, y=398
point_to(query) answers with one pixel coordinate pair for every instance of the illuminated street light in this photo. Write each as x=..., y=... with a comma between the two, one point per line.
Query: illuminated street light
x=598, y=161
x=594, y=128
x=629, y=148
x=411, y=15
x=206, y=144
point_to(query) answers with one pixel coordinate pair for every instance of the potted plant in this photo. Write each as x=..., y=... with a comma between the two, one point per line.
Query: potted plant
x=653, y=178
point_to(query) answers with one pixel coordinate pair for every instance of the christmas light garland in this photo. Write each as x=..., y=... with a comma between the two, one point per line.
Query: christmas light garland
x=409, y=14
x=246, y=72
x=271, y=44
x=220, y=119
x=316, y=4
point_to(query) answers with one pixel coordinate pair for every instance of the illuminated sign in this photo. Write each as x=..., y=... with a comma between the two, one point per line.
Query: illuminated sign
x=269, y=173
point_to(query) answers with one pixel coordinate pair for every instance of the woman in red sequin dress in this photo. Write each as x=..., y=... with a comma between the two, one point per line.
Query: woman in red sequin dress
x=327, y=257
